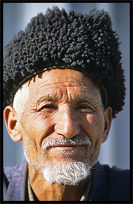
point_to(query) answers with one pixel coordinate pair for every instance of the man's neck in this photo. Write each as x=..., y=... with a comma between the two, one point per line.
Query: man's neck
x=45, y=191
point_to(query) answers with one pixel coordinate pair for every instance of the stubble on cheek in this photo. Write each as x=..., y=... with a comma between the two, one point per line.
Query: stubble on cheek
x=32, y=153
x=95, y=152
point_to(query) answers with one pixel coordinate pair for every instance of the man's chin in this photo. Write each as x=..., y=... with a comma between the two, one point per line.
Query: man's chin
x=66, y=173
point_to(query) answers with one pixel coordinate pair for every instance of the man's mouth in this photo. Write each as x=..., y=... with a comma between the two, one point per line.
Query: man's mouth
x=65, y=143
x=66, y=147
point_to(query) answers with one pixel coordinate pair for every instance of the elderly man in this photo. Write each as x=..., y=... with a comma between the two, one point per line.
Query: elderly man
x=63, y=84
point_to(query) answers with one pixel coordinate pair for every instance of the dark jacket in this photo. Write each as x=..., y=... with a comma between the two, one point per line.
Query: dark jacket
x=109, y=184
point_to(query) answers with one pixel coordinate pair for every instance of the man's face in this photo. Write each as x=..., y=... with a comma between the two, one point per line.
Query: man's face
x=63, y=120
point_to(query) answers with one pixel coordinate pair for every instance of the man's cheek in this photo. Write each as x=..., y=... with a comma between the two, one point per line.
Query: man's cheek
x=95, y=150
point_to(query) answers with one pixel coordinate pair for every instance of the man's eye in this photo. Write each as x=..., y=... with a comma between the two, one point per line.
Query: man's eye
x=85, y=108
x=47, y=107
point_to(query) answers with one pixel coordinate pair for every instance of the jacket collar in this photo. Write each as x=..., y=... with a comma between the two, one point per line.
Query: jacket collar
x=18, y=184
x=99, y=186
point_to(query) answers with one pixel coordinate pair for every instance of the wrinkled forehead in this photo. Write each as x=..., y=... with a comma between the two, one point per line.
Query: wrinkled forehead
x=63, y=84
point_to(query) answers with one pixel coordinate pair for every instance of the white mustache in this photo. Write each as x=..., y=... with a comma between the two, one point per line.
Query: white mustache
x=77, y=140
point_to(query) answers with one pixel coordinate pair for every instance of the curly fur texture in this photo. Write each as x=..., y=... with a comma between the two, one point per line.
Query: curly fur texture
x=84, y=42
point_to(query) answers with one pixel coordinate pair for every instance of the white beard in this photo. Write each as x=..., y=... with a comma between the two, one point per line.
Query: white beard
x=65, y=173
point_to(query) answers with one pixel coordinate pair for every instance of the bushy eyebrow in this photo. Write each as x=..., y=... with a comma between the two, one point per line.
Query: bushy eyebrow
x=47, y=98
x=80, y=99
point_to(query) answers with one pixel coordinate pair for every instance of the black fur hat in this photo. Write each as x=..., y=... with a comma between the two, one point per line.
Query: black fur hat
x=84, y=42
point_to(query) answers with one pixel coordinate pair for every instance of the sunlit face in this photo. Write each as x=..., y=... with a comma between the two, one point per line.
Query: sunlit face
x=62, y=104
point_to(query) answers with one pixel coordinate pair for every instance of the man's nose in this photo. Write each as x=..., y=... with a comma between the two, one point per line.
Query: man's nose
x=67, y=124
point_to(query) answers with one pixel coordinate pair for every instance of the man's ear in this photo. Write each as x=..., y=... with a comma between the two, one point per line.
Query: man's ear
x=11, y=122
x=107, y=125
